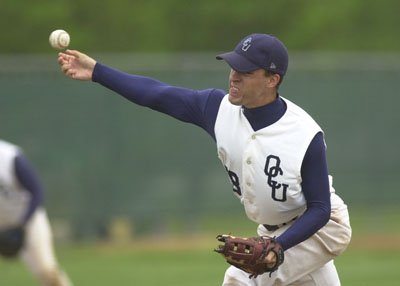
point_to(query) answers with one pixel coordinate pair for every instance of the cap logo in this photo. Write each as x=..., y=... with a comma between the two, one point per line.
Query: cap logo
x=272, y=66
x=246, y=44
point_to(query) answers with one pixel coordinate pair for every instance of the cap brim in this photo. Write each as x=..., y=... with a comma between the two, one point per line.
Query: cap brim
x=238, y=62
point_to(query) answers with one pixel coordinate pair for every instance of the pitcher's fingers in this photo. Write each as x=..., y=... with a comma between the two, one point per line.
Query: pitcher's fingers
x=64, y=56
x=62, y=60
x=74, y=53
x=70, y=73
x=271, y=258
x=65, y=68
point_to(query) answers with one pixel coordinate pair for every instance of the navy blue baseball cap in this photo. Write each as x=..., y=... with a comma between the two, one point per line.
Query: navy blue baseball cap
x=258, y=51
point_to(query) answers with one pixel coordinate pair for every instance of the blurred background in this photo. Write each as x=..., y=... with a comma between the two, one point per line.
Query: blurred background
x=116, y=171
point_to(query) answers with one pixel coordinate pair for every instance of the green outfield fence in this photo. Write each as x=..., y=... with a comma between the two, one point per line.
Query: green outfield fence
x=102, y=158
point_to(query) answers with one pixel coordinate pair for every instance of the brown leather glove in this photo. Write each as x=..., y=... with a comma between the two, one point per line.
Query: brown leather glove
x=248, y=254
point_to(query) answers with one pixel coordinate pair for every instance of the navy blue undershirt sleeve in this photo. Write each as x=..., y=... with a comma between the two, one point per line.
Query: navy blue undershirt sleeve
x=315, y=186
x=30, y=181
x=197, y=107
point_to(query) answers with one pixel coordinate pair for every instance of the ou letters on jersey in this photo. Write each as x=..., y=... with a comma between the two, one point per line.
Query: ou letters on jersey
x=272, y=169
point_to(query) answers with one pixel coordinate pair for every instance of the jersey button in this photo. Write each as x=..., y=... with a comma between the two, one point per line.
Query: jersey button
x=248, y=184
x=248, y=161
x=253, y=137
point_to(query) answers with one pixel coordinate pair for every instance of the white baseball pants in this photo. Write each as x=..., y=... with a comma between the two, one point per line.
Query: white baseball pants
x=309, y=263
x=38, y=252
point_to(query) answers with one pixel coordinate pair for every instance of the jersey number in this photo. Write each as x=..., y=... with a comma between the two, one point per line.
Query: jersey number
x=235, y=181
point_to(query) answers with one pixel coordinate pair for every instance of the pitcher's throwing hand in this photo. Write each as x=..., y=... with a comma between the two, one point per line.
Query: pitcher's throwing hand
x=76, y=65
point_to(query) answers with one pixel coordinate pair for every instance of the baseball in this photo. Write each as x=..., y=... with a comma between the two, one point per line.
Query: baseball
x=59, y=39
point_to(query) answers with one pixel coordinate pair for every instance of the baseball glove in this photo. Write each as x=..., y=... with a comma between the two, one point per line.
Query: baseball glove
x=248, y=254
x=11, y=241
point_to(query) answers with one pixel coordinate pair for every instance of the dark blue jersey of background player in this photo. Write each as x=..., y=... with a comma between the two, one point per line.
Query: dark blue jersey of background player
x=201, y=108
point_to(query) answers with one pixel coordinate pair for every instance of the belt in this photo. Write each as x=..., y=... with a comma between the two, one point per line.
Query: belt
x=276, y=226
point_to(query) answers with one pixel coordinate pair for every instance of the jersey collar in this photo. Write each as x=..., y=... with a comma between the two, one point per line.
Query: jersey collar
x=263, y=116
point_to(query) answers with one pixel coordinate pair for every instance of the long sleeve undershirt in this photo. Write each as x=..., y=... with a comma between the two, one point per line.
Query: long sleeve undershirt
x=201, y=108
x=29, y=180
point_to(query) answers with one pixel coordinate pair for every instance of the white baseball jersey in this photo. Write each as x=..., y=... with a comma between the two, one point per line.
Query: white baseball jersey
x=14, y=199
x=265, y=165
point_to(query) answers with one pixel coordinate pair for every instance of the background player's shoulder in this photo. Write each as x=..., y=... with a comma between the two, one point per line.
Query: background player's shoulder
x=8, y=148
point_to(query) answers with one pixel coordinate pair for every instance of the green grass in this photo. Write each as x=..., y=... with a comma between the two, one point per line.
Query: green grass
x=366, y=267
x=373, y=257
x=104, y=265
x=99, y=265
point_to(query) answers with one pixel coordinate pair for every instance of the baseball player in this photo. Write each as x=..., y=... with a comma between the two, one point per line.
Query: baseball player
x=272, y=150
x=24, y=226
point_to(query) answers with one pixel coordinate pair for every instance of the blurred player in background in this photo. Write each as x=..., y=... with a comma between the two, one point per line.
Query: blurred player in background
x=24, y=226
x=272, y=150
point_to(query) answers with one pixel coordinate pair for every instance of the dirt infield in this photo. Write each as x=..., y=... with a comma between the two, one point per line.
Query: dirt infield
x=384, y=241
x=360, y=241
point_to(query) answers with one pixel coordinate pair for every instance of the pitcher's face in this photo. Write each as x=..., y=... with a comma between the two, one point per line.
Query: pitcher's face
x=249, y=89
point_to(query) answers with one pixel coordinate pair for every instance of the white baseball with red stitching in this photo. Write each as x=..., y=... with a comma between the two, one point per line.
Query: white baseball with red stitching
x=59, y=39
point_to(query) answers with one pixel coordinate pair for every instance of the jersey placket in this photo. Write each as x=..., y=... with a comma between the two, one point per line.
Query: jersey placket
x=248, y=171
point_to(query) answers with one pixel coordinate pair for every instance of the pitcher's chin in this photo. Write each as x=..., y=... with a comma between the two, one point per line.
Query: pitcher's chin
x=235, y=100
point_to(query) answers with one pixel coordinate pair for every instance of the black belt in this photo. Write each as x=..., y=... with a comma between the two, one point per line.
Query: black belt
x=276, y=226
